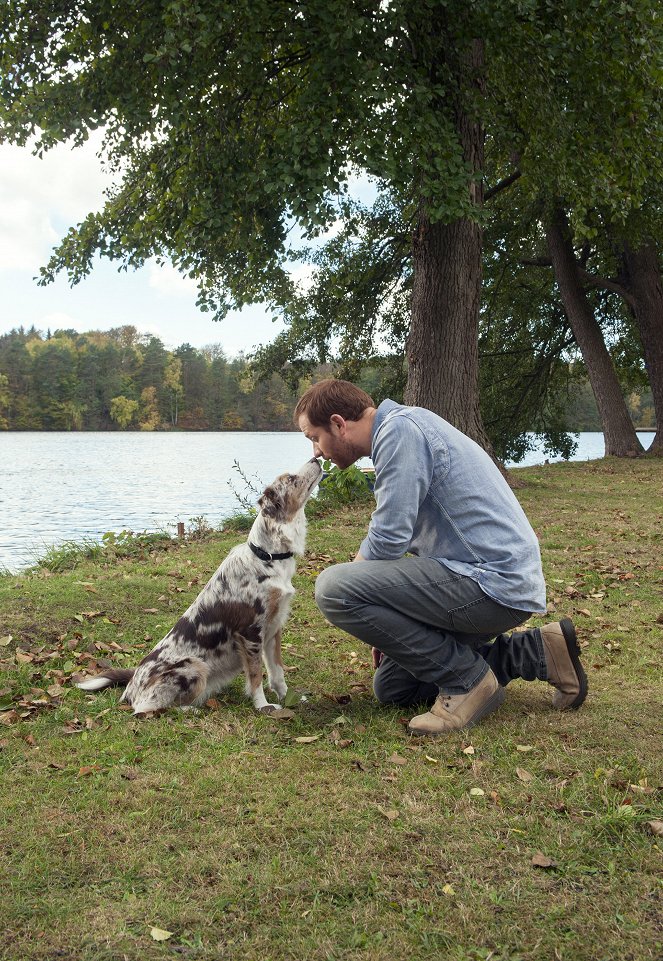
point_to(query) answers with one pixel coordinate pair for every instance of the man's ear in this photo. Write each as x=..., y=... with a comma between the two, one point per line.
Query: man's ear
x=338, y=421
x=271, y=503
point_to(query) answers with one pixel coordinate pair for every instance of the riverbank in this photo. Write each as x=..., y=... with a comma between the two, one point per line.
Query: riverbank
x=529, y=837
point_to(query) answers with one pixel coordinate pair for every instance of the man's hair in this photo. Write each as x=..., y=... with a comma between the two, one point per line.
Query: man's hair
x=329, y=397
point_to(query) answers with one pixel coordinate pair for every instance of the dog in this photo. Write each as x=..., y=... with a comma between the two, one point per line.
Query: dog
x=236, y=621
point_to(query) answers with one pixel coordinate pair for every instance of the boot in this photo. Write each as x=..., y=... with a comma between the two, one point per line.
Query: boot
x=453, y=712
x=565, y=672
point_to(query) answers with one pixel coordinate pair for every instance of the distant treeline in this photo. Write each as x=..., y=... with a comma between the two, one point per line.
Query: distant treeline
x=124, y=380
x=121, y=379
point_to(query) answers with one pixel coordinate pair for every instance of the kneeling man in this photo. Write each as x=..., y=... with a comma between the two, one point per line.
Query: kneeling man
x=450, y=565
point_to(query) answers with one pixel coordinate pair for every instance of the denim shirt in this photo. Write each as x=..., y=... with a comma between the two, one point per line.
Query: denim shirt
x=440, y=495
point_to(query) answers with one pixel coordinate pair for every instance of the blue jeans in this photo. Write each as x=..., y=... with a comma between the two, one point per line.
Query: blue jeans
x=437, y=630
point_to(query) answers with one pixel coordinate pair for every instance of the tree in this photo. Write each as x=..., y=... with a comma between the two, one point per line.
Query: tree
x=5, y=398
x=123, y=411
x=621, y=439
x=225, y=122
x=172, y=379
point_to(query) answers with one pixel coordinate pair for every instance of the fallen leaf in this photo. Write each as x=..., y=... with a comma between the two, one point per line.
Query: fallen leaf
x=524, y=775
x=583, y=610
x=309, y=739
x=524, y=748
x=468, y=750
x=9, y=717
x=432, y=760
x=285, y=714
x=655, y=827
x=397, y=759
x=150, y=610
x=344, y=742
x=87, y=770
x=4, y=641
x=212, y=703
x=291, y=699
x=477, y=792
x=390, y=814
x=158, y=934
x=448, y=890
x=541, y=860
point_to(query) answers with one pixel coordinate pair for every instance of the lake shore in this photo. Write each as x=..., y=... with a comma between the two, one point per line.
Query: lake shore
x=208, y=826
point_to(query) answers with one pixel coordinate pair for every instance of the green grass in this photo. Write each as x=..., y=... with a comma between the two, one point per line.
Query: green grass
x=219, y=827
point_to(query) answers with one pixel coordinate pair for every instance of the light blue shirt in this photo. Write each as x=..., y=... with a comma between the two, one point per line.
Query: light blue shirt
x=440, y=495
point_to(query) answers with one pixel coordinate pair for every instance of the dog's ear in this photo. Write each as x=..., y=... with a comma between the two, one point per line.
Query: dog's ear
x=271, y=503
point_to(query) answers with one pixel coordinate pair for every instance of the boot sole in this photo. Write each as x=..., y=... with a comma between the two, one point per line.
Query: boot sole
x=494, y=701
x=569, y=632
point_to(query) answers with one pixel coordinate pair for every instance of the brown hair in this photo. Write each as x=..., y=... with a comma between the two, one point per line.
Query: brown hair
x=329, y=397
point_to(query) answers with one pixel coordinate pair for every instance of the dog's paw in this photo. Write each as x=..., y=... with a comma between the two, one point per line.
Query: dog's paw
x=270, y=709
x=279, y=688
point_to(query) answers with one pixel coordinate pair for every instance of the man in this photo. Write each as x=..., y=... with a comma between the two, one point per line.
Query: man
x=448, y=566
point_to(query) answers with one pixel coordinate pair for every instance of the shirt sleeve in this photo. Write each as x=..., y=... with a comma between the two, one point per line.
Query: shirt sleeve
x=403, y=465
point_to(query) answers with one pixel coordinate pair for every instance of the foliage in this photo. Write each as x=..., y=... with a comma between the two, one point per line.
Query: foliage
x=127, y=380
x=343, y=486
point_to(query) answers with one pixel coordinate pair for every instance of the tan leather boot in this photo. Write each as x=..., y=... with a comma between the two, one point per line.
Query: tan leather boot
x=453, y=712
x=565, y=672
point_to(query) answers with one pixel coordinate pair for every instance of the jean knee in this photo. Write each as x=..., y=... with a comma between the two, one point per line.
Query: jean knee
x=329, y=590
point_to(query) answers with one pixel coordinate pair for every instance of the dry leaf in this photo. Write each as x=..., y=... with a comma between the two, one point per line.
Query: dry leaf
x=397, y=759
x=4, y=641
x=468, y=750
x=477, y=792
x=524, y=775
x=158, y=934
x=9, y=717
x=541, y=860
x=87, y=770
x=344, y=742
x=285, y=714
x=433, y=760
x=655, y=827
x=448, y=890
x=390, y=814
x=524, y=748
x=309, y=739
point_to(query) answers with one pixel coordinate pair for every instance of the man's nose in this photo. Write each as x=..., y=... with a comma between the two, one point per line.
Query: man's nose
x=316, y=451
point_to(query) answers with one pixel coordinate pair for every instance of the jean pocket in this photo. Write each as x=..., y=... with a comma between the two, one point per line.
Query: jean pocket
x=485, y=616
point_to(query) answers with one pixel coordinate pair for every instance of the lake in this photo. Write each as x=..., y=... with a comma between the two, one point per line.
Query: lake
x=57, y=487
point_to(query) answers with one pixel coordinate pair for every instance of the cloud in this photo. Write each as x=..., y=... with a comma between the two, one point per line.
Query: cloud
x=41, y=198
x=169, y=281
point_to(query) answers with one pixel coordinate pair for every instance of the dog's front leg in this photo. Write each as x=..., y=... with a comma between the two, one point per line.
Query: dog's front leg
x=252, y=661
x=274, y=664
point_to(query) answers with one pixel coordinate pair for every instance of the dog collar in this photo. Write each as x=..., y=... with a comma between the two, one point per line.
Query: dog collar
x=265, y=556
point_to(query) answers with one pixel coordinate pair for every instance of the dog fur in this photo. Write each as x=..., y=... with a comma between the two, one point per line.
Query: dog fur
x=235, y=622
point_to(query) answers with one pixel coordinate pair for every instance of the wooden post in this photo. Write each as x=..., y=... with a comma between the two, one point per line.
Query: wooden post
x=180, y=529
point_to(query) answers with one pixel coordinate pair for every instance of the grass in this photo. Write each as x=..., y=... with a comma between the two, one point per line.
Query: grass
x=223, y=830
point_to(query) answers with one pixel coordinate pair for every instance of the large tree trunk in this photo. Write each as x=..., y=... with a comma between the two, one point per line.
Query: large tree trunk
x=443, y=343
x=619, y=433
x=645, y=286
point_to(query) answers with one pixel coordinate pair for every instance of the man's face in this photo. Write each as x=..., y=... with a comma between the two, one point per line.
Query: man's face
x=330, y=442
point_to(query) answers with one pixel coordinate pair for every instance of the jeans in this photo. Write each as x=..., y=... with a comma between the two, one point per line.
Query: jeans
x=437, y=630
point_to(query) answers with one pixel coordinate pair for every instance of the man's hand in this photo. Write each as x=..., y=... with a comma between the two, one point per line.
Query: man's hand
x=358, y=557
x=377, y=657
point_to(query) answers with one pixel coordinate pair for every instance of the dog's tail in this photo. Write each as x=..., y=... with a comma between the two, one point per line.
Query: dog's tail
x=112, y=676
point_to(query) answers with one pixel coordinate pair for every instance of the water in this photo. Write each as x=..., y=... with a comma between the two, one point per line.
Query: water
x=56, y=487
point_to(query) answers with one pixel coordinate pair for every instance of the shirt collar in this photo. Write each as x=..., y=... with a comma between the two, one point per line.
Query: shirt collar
x=385, y=408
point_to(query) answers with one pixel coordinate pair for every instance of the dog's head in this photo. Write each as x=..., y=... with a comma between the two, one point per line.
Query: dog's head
x=286, y=496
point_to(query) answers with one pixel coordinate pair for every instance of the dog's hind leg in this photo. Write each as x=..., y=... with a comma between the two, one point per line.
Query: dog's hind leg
x=272, y=657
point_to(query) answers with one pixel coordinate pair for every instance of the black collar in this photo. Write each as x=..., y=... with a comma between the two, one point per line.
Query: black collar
x=265, y=556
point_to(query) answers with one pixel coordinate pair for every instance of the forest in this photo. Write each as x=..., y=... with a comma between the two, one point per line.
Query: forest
x=124, y=380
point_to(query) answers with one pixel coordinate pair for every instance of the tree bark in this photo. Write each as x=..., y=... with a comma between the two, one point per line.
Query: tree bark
x=645, y=284
x=619, y=433
x=443, y=342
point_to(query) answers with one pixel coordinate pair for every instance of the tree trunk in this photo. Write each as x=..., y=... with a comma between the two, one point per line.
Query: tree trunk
x=645, y=285
x=619, y=433
x=443, y=342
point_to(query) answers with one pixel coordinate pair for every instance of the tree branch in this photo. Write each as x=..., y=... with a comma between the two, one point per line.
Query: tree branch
x=502, y=185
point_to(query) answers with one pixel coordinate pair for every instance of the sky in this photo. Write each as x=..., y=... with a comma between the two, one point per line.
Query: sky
x=39, y=200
